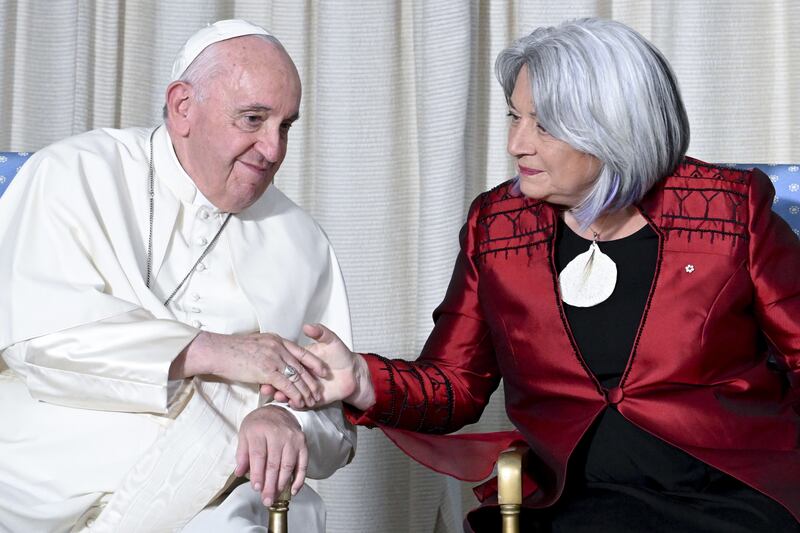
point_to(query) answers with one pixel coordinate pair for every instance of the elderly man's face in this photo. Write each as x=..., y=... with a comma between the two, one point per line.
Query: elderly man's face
x=238, y=130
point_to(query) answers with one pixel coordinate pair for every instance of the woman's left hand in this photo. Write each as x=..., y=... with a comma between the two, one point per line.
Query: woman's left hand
x=346, y=376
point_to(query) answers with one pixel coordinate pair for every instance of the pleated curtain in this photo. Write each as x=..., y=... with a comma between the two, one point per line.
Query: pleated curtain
x=402, y=124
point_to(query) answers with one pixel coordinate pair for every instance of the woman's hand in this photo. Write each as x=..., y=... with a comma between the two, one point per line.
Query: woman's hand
x=347, y=377
x=272, y=447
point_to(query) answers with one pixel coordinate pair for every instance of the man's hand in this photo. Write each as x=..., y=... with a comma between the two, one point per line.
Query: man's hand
x=272, y=447
x=255, y=358
x=348, y=377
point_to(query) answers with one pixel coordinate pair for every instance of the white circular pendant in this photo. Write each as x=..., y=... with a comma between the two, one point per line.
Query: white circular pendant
x=588, y=279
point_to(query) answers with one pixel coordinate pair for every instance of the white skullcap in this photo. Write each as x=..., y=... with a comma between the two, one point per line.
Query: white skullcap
x=213, y=33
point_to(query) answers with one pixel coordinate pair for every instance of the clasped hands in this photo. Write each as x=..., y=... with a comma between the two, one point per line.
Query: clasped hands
x=344, y=377
x=272, y=445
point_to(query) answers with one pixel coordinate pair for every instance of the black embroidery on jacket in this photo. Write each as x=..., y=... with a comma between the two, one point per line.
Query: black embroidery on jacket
x=720, y=216
x=433, y=415
x=518, y=226
x=723, y=174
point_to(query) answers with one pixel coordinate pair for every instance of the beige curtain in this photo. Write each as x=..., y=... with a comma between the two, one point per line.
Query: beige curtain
x=402, y=123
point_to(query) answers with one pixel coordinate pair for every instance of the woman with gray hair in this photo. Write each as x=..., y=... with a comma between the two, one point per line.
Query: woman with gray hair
x=640, y=306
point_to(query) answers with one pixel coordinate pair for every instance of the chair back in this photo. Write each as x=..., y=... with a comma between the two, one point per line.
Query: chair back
x=786, y=179
x=10, y=163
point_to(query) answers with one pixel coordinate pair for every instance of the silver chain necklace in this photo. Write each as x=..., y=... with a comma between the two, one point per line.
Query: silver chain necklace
x=151, y=194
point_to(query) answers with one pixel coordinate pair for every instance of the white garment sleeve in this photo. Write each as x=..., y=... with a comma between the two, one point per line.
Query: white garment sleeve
x=330, y=437
x=117, y=364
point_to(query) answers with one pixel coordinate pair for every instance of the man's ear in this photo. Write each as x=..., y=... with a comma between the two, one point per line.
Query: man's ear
x=180, y=97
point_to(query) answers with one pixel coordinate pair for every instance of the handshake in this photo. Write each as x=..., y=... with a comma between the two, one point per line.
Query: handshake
x=323, y=372
x=272, y=445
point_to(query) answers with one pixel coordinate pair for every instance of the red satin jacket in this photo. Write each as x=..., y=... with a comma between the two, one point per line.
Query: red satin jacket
x=726, y=294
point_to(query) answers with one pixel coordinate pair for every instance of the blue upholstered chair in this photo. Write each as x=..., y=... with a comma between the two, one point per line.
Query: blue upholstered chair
x=786, y=179
x=10, y=163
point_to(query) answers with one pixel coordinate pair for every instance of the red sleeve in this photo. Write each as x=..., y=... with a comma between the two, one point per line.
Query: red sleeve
x=449, y=385
x=775, y=271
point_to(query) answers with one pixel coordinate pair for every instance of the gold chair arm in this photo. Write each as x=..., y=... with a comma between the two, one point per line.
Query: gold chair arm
x=509, y=486
x=279, y=511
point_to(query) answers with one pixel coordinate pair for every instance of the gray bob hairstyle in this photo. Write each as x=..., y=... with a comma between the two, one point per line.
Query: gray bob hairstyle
x=605, y=90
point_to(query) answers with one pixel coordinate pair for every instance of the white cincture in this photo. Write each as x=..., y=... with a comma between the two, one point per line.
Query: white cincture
x=588, y=279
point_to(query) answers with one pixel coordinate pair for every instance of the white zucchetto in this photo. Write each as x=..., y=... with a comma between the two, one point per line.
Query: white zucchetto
x=213, y=33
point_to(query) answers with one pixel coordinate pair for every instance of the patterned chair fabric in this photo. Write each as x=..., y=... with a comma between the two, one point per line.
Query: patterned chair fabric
x=786, y=179
x=10, y=163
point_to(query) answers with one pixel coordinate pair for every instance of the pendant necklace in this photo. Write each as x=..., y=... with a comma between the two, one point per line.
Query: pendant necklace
x=590, y=278
x=151, y=189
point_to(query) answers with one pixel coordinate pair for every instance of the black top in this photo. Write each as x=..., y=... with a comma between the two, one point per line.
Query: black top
x=622, y=478
x=615, y=450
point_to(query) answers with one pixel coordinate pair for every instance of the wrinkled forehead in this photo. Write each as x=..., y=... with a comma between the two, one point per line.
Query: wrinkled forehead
x=256, y=71
x=252, y=53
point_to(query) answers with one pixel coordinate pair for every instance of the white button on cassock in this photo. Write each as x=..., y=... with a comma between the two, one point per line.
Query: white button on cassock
x=200, y=267
x=202, y=241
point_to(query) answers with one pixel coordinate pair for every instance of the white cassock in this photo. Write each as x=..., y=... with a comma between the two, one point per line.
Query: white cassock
x=94, y=436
